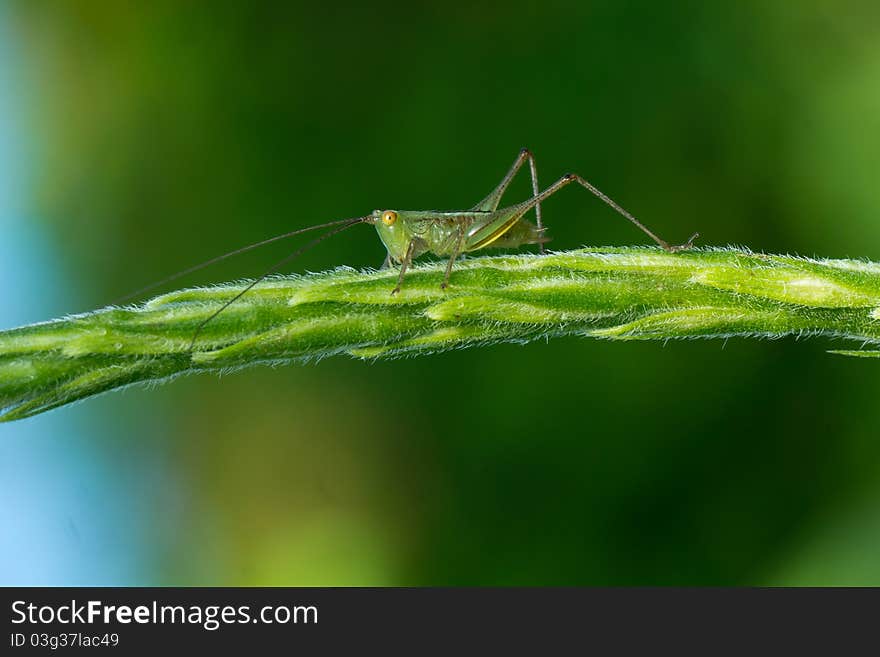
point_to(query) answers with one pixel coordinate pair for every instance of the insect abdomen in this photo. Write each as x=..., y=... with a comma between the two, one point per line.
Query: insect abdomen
x=522, y=232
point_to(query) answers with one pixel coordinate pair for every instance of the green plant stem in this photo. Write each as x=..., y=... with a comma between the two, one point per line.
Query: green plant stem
x=622, y=294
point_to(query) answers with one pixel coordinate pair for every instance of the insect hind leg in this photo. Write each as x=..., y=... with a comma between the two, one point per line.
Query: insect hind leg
x=583, y=182
x=493, y=200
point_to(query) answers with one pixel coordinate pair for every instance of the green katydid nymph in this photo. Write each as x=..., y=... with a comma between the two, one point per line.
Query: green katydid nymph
x=407, y=234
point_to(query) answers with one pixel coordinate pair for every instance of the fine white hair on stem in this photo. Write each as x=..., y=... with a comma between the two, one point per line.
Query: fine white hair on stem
x=635, y=293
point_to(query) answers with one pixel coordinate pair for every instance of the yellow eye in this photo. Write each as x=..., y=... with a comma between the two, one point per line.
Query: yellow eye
x=389, y=217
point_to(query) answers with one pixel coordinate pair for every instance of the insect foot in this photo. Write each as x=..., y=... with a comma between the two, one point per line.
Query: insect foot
x=395, y=291
x=683, y=247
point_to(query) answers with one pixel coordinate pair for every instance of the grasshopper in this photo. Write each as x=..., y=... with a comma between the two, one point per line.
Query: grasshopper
x=407, y=234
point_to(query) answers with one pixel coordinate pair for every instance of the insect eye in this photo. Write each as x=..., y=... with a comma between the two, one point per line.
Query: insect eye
x=389, y=217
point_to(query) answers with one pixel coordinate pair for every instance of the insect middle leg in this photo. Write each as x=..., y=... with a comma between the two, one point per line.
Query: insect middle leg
x=492, y=201
x=452, y=256
x=573, y=177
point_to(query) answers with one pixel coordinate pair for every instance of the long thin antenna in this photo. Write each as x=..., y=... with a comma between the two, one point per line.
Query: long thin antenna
x=244, y=249
x=347, y=223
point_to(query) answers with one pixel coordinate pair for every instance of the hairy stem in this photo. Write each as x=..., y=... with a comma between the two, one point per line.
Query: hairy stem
x=622, y=294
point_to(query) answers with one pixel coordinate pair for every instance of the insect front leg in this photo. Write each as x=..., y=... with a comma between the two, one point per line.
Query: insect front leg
x=573, y=177
x=491, y=202
x=404, y=264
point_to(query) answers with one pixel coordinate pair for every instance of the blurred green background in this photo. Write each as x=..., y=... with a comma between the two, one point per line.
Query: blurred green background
x=150, y=136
